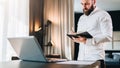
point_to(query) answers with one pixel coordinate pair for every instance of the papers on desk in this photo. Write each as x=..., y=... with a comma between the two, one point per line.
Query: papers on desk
x=78, y=62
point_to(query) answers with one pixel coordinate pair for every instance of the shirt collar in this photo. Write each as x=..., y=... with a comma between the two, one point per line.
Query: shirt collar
x=94, y=11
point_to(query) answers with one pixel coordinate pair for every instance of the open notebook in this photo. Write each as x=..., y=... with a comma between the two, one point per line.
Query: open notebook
x=83, y=34
x=28, y=49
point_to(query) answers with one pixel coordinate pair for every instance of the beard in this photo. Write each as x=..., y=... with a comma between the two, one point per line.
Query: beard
x=87, y=12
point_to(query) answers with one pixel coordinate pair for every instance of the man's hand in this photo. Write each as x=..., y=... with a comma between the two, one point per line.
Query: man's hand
x=80, y=39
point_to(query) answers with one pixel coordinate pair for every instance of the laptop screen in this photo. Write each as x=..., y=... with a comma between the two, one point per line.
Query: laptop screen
x=27, y=48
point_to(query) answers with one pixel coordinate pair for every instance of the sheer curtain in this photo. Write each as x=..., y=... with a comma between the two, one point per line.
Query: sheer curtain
x=60, y=13
x=14, y=21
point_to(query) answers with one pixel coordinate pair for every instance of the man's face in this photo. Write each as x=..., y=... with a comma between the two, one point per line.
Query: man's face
x=87, y=6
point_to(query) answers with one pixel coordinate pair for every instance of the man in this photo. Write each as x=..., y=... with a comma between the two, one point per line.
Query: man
x=98, y=24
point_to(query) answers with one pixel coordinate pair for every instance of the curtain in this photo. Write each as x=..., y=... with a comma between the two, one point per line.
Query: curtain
x=14, y=21
x=60, y=13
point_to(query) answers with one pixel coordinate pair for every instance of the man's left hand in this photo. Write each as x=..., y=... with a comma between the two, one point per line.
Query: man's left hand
x=79, y=39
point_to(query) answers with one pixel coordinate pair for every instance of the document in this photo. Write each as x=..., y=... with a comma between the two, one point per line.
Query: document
x=78, y=62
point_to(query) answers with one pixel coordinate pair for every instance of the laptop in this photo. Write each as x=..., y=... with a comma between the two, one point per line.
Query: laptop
x=28, y=49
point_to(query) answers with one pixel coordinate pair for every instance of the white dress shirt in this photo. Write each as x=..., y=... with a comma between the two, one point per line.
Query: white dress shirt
x=99, y=25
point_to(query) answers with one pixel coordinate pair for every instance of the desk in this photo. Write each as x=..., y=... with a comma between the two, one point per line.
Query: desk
x=26, y=64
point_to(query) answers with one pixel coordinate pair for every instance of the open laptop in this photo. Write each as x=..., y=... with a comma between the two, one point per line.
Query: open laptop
x=28, y=49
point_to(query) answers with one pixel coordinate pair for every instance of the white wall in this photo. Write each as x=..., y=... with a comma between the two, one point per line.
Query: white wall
x=103, y=4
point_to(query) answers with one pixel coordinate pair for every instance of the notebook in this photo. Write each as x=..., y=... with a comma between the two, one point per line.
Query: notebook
x=28, y=49
x=84, y=34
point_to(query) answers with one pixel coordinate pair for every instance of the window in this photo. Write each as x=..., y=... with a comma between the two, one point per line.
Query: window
x=14, y=19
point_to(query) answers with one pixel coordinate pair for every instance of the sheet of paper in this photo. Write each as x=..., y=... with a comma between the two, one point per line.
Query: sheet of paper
x=78, y=62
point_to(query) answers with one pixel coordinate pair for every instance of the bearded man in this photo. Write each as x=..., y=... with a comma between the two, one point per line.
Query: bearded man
x=97, y=23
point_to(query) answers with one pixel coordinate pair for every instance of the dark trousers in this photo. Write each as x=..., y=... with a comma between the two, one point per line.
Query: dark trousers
x=102, y=64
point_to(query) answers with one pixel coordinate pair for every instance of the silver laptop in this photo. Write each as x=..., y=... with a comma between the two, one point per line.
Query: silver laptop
x=28, y=49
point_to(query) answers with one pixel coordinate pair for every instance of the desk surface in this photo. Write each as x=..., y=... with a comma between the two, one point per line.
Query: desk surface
x=26, y=64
